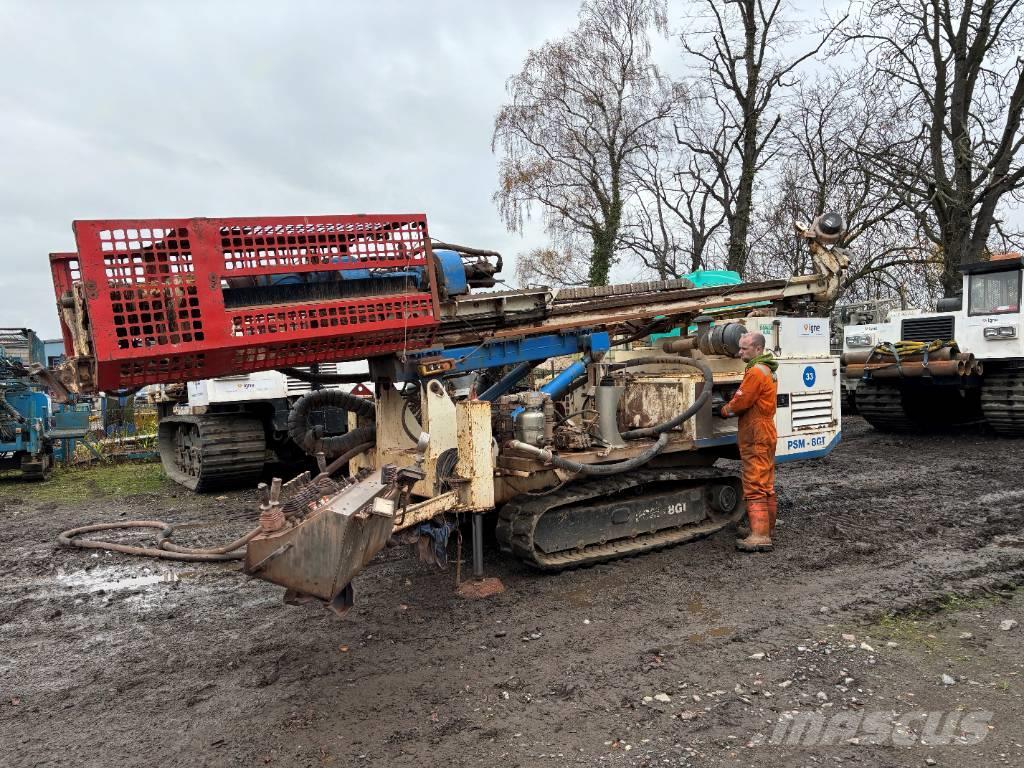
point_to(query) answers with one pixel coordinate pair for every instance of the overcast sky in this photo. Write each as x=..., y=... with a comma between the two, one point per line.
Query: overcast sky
x=179, y=108
x=167, y=109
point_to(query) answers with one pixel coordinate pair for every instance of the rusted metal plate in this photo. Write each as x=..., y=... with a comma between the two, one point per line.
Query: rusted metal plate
x=476, y=462
x=650, y=400
x=321, y=555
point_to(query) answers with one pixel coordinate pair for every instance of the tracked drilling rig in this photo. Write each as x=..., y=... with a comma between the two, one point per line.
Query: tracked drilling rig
x=613, y=455
x=962, y=363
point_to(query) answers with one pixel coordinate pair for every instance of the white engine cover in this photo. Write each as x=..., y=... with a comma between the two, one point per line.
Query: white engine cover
x=265, y=385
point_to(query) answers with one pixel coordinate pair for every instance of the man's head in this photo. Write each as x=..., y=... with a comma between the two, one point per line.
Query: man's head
x=751, y=345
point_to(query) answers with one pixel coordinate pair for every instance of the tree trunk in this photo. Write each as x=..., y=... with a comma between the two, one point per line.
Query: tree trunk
x=740, y=223
x=605, y=237
x=956, y=236
x=601, y=256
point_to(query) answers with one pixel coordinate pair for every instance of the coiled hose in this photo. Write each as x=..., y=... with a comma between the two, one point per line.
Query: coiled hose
x=164, y=548
x=167, y=550
x=311, y=440
x=661, y=430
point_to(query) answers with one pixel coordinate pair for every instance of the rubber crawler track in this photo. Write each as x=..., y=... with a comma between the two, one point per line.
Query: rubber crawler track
x=232, y=451
x=882, y=407
x=1002, y=402
x=517, y=520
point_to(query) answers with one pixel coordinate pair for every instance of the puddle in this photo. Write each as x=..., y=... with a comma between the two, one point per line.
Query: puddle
x=580, y=598
x=714, y=632
x=112, y=579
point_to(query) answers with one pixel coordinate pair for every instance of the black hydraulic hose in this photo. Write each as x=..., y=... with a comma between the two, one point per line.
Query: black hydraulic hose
x=312, y=441
x=468, y=251
x=594, y=470
x=406, y=408
x=346, y=457
x=325, y=378
x=334, y=446
x=696, y=405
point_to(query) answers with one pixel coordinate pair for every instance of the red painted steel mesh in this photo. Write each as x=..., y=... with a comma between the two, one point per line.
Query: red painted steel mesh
x=155, y=292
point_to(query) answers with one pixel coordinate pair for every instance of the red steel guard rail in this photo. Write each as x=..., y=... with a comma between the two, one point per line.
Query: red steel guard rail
x=154, y=291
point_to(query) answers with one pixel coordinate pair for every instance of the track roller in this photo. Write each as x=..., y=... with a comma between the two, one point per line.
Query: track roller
x=37, y=467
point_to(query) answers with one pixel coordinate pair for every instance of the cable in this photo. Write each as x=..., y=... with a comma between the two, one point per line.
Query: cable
x=444, y=468
x=406, y=408
x=339, y=462
x=167, y=550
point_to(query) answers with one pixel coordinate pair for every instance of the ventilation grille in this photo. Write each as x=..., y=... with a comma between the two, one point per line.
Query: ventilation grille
x=928, y=328
x=298, y=386
x=140, y=372
x=812, y=410
x=342, y=347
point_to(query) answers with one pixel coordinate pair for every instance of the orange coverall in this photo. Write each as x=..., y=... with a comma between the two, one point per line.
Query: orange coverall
x=754, y=402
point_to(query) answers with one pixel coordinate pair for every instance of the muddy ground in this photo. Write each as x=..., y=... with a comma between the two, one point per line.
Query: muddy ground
x=895, y=565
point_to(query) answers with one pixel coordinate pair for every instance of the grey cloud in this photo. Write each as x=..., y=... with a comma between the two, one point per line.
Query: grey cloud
x=146, y=109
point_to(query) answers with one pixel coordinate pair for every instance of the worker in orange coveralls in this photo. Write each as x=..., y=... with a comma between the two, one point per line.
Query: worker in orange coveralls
x=754, y=402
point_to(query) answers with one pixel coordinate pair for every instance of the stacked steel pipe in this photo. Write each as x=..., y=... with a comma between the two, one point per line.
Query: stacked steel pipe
x=947, y=361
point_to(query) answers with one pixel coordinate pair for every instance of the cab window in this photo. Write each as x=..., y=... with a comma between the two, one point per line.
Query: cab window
x=995, y=293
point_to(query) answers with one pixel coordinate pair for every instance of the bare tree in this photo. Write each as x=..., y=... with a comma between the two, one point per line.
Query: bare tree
x=550, y=266
x=953, y=76
x=745, y=69
x=831, y=121
x=580, y=110
x=680, y=203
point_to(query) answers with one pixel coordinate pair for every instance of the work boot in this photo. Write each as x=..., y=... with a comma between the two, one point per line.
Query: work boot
x=743, y=528
x=760, y=539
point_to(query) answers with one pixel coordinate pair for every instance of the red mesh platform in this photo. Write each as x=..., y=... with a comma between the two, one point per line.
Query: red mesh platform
x=176, y=299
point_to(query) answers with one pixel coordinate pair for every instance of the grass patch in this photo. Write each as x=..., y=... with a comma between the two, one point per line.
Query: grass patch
x=99, y=481
x=913, y=628
x=906, y=630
